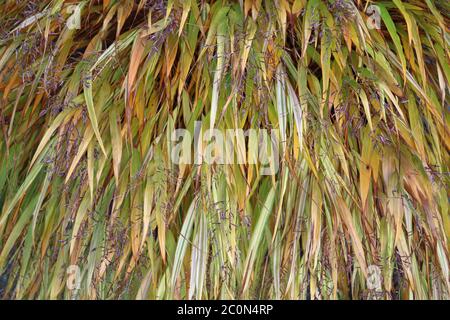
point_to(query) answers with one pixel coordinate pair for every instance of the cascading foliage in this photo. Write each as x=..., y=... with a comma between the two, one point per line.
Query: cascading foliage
x=92, y=207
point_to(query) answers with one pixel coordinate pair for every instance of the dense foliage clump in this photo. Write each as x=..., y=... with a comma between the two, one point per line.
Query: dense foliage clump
x=93, y=207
